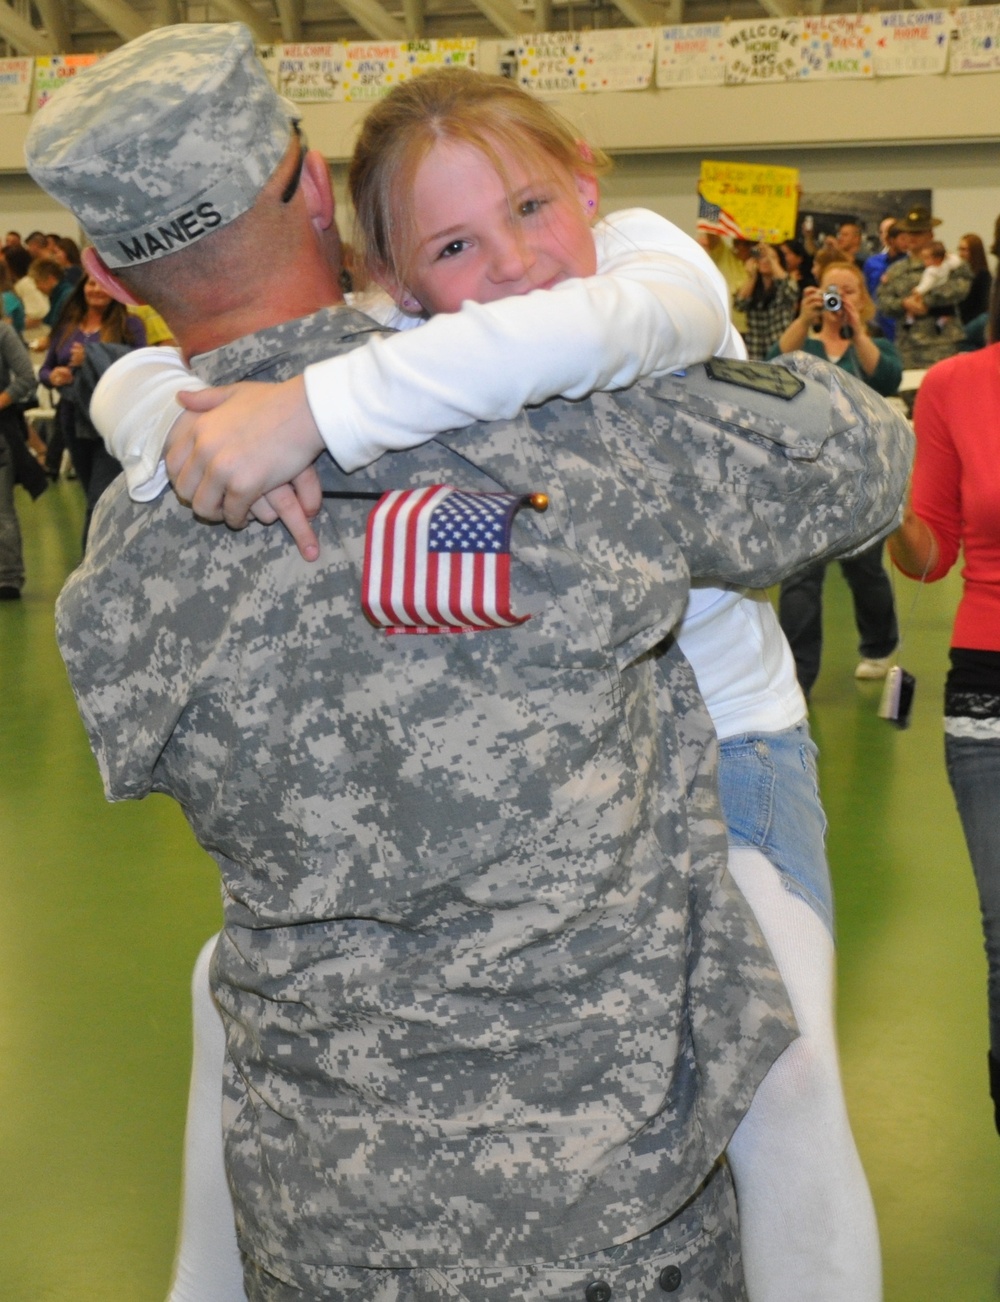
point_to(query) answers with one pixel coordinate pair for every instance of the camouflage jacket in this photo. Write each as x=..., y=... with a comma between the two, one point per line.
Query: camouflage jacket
x=926, y=339
x=491, y=996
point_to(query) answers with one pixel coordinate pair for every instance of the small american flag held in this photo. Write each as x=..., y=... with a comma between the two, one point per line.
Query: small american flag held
x=437, y=560
x=715, y=219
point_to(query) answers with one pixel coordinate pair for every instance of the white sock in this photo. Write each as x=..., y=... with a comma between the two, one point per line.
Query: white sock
x=207, y=1267
x=807, y=1222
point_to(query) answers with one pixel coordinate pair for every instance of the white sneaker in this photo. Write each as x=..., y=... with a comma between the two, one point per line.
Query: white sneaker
x=873, y=669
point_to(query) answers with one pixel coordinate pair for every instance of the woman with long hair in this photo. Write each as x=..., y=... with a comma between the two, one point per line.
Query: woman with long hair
x=974, y=308
x=799, y=265
x=768, y=298
x=833, y=324
x=89, y=316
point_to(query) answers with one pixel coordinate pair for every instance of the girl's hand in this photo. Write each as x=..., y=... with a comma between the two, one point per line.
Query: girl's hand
x=60, y=376
x=76, y=355
x=294, y=504
x=246, y=441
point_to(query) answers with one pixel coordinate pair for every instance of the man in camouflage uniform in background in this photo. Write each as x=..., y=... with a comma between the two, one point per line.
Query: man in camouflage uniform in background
x=493, y=1004
x=928, y=328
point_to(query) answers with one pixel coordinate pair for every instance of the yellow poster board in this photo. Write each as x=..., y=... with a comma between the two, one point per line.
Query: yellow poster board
x=748, y=200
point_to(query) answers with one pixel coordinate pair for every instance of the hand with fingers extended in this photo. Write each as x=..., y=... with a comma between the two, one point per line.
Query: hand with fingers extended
x=246, y=450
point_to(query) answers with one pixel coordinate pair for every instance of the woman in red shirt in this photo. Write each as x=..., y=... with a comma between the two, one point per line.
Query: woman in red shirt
x=956, y=505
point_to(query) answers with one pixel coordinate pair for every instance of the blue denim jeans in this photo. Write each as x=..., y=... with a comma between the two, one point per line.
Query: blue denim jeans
x=974, y=773
x=770, y=800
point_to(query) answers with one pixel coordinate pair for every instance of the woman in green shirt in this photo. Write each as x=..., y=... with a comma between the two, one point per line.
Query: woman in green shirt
x=840, y=334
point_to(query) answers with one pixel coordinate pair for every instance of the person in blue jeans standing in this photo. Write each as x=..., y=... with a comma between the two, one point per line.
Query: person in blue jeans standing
x=833, y=324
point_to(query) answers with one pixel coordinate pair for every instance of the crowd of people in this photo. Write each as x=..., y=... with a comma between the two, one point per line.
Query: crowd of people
x=932, y=305
x=520, y=974
x=906, y=306
x=51, y=309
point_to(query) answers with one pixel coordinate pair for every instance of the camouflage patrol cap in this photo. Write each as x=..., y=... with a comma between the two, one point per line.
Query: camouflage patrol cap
x=163, y=141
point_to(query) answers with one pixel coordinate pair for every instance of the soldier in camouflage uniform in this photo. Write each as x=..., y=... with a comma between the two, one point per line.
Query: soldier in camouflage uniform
x=929, y=328
x=493, y=1004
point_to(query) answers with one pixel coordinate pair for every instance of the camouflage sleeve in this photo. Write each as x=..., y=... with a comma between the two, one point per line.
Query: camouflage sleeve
x=898, y=283
x=756, y=485
x=952, y=291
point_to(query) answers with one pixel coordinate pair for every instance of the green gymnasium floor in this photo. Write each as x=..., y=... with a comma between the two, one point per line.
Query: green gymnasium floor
x=104, y=909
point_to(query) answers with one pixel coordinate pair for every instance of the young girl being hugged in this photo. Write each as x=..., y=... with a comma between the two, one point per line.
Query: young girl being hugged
x=477, y=208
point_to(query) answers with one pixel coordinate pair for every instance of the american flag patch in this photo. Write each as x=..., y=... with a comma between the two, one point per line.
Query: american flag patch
x=437, y=560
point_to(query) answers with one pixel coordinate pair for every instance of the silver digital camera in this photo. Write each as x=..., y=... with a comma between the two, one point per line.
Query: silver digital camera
x=832, y=302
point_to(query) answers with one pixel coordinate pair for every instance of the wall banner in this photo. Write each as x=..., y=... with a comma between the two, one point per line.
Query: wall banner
x=975, y=45
x=617, y=59
x=692, y=54
x=747, y=200
x=458, y=52
x=549, y=61
x=766, y=49
x=311, y=74
x=838, y=46
x=15, y=84
x=911, y=42
x=373, y=68
x=54, y=70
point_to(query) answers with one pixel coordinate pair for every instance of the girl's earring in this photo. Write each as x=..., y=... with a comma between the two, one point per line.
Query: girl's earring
x=409, y=304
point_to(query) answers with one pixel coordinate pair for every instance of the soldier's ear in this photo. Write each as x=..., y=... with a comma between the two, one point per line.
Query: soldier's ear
x=94, y=266
x=317, y=190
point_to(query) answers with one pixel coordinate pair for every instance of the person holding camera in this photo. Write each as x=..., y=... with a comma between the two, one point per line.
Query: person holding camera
x=833, y=324
x=767, y=298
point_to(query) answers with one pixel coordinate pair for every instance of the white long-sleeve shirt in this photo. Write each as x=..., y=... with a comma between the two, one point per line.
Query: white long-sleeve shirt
x=658, y=303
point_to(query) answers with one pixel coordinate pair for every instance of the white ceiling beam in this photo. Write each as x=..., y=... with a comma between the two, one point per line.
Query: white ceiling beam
x=376, y=20
x=21, y=36
x=56, y=23
x=508, y=20
x=781, y=8
x=543, y=16
x=246, y=13
x=290, y=19
x=413, y=18
x=119, y=16
x=168, y=13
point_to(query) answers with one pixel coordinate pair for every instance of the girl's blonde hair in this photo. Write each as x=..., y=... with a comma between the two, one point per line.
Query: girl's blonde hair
x=491, y=114
x=866, y=305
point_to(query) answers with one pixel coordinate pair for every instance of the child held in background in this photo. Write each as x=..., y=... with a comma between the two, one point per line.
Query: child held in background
x=471, y=196
x=938, y=266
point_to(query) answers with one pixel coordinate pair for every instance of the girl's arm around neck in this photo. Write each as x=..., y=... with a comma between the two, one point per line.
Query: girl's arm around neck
x=488, y=361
